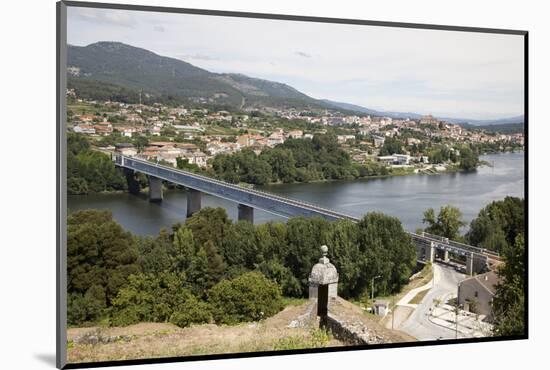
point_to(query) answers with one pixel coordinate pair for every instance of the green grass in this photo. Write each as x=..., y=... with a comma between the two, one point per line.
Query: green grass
x=425, y=276
x=290, y=301
x=419, y=297
x=318, y=338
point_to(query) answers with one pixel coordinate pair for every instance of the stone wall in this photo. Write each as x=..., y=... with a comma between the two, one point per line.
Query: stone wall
x=352, y=332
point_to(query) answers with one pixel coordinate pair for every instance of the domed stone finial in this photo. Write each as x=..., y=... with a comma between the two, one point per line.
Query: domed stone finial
x=324, y=251
x=323, y=273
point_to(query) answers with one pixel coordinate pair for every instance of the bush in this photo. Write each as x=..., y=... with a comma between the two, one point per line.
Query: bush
x=100, y=257
x=193, y=311
x=87, y=308
x=149, y=297
x=249, y=297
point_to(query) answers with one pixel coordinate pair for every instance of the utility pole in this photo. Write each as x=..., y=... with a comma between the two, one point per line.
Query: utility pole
x=394, y=308
x=456, y=320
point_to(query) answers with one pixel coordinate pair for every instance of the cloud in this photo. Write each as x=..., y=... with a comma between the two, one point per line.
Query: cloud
x=302, y=54
x=196, y=57
x=104, y=17
x=380, y=67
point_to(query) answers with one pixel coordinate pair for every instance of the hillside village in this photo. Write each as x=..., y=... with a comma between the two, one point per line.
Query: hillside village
x=195, y=135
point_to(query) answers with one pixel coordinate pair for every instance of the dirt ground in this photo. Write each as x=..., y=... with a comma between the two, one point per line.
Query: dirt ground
x=151, y=340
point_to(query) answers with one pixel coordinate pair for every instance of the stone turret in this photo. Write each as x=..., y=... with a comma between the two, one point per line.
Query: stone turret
x=323, y=273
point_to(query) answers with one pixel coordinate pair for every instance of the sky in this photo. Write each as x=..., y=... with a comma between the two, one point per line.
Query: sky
x=444, y=73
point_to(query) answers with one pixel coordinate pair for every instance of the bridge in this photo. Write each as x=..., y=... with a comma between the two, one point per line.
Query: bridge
x=428, y=246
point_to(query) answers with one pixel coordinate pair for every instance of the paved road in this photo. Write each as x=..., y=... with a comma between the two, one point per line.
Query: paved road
x=418, y=325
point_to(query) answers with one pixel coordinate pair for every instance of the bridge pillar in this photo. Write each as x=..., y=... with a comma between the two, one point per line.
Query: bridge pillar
x=480, y=264
x=193, y=201
x=446, y=255
x=470, y=263
x=155, y=189
x=429, y=252
x=133, y=184
x=246, y=213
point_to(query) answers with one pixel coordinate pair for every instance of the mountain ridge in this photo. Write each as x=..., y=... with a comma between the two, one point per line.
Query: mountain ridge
x=127, y=68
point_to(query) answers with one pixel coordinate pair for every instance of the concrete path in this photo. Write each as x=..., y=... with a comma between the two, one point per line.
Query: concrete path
x=469, y=325
x=418, y=324
x=412, y=293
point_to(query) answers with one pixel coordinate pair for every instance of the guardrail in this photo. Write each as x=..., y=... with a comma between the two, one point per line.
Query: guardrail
x=199, y=182
x=154, y=169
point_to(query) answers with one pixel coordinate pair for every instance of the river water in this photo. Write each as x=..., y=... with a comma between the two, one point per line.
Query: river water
x=405, y=197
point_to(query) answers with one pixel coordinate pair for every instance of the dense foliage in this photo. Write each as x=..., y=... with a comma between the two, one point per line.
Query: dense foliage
x=509, y=300
x=154, y=297
x=498, y=224
x=463, y=156
x=100, y=257
x=249, y=297
x=209, y=259
x=296, y=160
x=90, y=171
x=447, y=223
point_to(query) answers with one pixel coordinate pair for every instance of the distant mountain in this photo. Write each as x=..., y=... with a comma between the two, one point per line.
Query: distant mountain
x=360, y=109
x=503, y=128
x=126, y=68
x=116, y=71
x=405, y=115
x=478, y=122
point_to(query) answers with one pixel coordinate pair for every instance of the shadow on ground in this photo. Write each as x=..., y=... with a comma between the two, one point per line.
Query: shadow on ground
x=47, y=358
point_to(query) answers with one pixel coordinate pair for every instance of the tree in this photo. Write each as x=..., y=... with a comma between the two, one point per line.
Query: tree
x=87, y=308
x=99, y=253
x=149, y=297
x=201, y=266
x=498, y=224
x=388, y=253
x=282, y=163
x=216, y=264
x=275, y=270
x=305, y=235
x=509, y=300
x=239, y=247
x=89, y=170
x=156, y=254
x=391, y=146
x=344, y=253
x=198, y=273
x=192, y=311
x=184, y=250
x=249, y=297
x=468, y=159
x=448, y=222
x=209, y=224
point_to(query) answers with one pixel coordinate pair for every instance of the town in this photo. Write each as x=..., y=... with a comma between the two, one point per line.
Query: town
x=193, y=136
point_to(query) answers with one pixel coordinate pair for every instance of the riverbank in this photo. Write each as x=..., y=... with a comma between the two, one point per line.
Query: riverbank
x=405, y=197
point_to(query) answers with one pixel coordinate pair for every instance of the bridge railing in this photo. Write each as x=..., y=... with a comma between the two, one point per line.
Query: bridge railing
x=458, y=245
x=424, y=238
x=122, y=160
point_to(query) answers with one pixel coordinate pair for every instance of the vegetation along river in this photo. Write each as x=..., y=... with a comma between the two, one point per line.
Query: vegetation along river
x=405, y=197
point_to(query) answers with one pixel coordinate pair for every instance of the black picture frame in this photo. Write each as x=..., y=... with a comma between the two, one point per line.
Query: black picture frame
x=61, y=186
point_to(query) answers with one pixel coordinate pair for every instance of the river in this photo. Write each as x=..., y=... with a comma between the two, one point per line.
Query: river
x=405, y=197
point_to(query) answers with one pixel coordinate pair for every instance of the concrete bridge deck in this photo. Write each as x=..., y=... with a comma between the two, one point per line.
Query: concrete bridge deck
x=271, y=203
x=427, y=245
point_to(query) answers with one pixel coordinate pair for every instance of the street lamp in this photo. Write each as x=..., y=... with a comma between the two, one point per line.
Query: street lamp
x=372, y=286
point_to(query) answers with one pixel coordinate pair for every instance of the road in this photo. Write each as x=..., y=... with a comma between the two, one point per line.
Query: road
x=418, y=324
